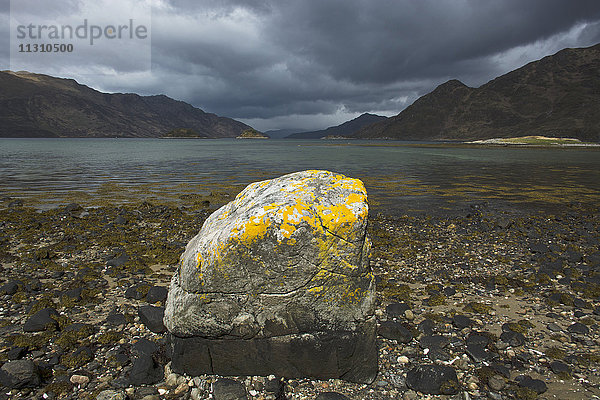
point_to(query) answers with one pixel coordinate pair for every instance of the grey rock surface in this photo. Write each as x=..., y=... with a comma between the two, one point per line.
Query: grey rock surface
x=283, y=266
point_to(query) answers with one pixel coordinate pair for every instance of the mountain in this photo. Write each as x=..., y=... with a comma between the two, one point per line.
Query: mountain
x=557, y=96
x=34, y=105
x=282, y=133
x=348, y=128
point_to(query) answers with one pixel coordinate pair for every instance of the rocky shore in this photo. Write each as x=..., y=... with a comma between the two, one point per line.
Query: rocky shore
x=484, y=304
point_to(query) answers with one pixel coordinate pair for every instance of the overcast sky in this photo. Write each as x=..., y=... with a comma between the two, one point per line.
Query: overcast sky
x=304, y=64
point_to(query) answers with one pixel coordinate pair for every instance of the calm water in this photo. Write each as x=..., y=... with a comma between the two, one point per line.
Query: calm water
x=399, y=178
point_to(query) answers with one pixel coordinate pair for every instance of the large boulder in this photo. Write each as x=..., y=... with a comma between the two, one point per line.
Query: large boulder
x=278, y=282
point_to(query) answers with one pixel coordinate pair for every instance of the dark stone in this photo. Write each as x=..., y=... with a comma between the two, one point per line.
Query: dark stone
x=116, y=319
x=538, y=248
x=477, y=339
x=322, y=355
x=560, y=367
x=501, y=369
x=331, y=396
x=514, y=339
x=19, y=374
x=578, y=314
x=578, y=328
x=426, y=326
x=579, y=303
x=536, y=385
x=145, y=370
x=145, y=346
x=136, y=292
x=433, y=379
x=152, y=317
x=449, y=291
x=117, y=357
x=276, y=386
x=430, y=341
x=228, y=389
x=461, y=321
x=41, y=320
x=156, y=294
x=395, y=331
x=9, y=288
x=396, y=310
x=16, y=353
x=479, y=353
x=74, y=294
x=118, y=261
x=554, y=327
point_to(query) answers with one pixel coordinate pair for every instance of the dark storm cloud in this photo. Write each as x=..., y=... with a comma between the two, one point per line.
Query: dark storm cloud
x=272, y=61
x=265, y=59
x=390, y=40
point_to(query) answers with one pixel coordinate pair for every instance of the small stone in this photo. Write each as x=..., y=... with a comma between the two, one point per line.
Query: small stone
x=554, y=327
x=395, y=331
x=461, y=321
x=9, y=288
x=515, y=339
x=196, y=394
x=426, y=326
x=229, y=389
x=111, y=395
x=136, y=292
x=145, y=370
x=560, y=367
x=395, y=310
x=536, y=385
x=433, y=379
x=496, y=382
x=410, y=395
x=41, y=320
x=80, y=380
x=403, y=360
x=578, y=328
x=19, y=374
x=181, y=389
x=409, y=315
x=156, y=294
x=331, y=396
x=171, y=380
x=152, y=317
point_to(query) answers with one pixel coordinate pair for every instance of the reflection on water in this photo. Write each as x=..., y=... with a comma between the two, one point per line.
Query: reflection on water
x=398, y=178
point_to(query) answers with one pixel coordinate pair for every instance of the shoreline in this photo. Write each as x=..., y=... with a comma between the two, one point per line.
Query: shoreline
x=526, y=282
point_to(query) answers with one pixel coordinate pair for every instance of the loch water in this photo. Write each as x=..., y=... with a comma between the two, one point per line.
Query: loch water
x=400, y=177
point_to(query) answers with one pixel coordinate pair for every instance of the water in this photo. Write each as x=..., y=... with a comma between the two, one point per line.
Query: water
x=400, y=177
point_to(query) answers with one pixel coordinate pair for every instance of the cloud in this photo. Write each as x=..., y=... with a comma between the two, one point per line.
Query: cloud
x=309, y=61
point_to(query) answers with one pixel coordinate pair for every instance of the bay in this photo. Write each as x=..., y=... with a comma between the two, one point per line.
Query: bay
x=400, y=177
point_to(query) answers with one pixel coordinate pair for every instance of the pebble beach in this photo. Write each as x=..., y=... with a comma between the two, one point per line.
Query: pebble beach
x=505, y=304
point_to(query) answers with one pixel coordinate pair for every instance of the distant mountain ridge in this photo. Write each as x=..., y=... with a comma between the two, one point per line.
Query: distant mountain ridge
x=35, y=105
x=282, y=133
x=557, y=96
x=348, y=128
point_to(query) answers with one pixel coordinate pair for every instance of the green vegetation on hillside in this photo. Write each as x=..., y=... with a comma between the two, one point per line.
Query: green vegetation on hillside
x=252, y=134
